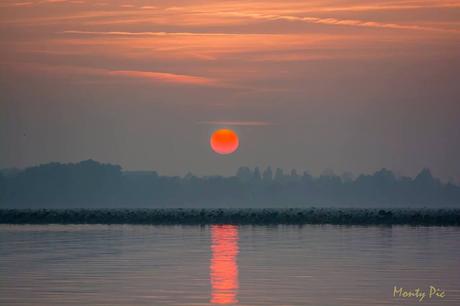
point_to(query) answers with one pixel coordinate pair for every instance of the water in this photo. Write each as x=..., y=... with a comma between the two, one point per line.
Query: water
x=212, y=265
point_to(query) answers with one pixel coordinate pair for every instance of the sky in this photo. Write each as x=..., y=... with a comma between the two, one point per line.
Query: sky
x=313, y=85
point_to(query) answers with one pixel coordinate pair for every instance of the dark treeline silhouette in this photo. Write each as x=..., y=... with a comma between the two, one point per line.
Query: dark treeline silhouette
x=90, y=184
x=346, y=216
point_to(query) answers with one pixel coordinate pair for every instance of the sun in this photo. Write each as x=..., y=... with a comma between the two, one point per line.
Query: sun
x=224, y=141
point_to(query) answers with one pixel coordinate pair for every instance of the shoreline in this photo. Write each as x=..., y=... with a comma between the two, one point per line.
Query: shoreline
x=271, y=216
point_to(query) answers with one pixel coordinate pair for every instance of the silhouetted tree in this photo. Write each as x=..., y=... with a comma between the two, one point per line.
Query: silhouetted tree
x=279, y=175
x=267, y=175
x=294, y=177
x=257, y=177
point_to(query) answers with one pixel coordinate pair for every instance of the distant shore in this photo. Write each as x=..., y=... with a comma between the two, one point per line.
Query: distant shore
x=351, y=216
x=90, y=184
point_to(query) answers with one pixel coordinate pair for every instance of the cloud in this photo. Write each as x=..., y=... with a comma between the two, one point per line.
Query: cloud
x=236, y=123
x=18, y=4
x=194, y=13
x=338, y=22
x=386, y=7
x=30, y=3
x=155, y=76
x=200, y=46
x=125, y=33
x=163, y=77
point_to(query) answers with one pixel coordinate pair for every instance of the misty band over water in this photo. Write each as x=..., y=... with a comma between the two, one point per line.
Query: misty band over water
x=427, y=217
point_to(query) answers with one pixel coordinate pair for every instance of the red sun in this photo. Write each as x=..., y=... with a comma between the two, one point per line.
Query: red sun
x=224, y=141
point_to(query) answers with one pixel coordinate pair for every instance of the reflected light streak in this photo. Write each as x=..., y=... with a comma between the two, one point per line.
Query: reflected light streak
x=224, y=267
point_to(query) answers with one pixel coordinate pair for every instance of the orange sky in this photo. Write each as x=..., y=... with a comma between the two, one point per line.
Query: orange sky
x=249, y=36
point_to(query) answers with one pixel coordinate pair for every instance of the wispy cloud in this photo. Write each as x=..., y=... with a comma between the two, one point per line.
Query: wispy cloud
x=195, y=13
x=200, y=46
x=387, y=7
x=31, y=3
x=338, y=22
x=236, y=123
x=155, y=76
x=125, y=33
x=163, y=77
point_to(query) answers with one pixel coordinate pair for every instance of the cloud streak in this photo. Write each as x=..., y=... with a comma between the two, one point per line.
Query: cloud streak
x=163, y=77
x=154, y=76
x=194, y=13
x=236, y=123
x=125, y=33
x=339, y=22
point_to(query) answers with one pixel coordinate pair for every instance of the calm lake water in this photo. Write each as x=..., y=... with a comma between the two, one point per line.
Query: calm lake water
x=212, y=265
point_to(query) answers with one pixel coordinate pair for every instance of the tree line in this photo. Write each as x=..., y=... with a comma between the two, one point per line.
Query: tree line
x=90, y=184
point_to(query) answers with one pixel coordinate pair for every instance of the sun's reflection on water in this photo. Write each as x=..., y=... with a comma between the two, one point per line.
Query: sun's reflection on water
x=224, y=266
